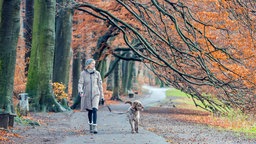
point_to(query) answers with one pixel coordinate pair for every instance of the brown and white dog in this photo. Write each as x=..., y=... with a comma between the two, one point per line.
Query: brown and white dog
x=133, y=114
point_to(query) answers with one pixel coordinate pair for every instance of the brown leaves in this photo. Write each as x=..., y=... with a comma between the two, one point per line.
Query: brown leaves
x=232, y=122
x=5, y=136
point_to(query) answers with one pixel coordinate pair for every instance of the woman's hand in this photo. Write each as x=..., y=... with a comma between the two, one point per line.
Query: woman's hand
x=102, y=101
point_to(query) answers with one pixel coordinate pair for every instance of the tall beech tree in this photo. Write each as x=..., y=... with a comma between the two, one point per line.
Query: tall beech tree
x=9, y=31
x=62, y=54
x=40, y=73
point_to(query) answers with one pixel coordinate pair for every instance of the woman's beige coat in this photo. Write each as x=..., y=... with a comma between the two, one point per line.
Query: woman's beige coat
x=91, y=87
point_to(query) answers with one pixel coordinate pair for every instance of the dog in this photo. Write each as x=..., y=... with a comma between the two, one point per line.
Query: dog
x=133, y=114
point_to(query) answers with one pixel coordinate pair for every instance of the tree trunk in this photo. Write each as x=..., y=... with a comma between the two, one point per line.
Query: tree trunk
x=28, y=25
x=76, y=69
x=40, y=73
x=110, y=82
x=115, y=95
x=9, y=31
x=125, y=73
x=63, y=45
x=110, y=77
x=131, y=75
x=103, y=68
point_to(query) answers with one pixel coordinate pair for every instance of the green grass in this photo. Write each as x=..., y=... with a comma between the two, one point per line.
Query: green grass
x=241, y=122
x=250, y=131
x=175, y=92
x=183, y=99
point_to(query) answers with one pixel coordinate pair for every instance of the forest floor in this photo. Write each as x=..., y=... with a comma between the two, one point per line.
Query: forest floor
x=162, y=121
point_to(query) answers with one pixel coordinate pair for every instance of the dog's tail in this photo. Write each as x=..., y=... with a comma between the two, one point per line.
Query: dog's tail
x=129, y=102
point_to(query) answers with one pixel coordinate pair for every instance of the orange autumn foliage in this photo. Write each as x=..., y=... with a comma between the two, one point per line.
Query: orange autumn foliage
x=221, y=34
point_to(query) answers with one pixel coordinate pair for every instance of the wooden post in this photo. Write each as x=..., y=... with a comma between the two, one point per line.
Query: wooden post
x=4, y=120
x=11, y=119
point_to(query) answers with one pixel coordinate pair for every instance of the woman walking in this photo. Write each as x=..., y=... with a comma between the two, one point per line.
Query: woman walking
x=91, y=92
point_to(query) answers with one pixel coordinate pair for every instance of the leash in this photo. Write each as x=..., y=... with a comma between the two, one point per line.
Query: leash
x=112, y=111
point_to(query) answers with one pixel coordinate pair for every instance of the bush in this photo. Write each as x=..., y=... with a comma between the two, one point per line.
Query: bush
x=59, y=91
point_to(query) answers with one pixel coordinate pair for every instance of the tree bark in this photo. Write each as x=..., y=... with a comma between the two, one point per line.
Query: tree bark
x=62, y=52
x=116, y=94
x=125, y=73
x=28, y=25
x=40, y=73
x=76, y=69
x=9, y=31
x=103, y=68
x=131, y=75
x=110, y=76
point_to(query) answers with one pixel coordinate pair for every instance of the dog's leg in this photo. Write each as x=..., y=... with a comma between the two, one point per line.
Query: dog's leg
x=132, y=125
x=137, y=126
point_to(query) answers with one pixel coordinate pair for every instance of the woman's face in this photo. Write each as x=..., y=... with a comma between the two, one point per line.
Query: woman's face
x=91, y=65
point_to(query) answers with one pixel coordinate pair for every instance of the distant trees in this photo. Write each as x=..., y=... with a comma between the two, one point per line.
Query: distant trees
x=9, y=31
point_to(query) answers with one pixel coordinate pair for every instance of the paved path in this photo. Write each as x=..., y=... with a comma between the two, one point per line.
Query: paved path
x=114, y=128
x=155, y=96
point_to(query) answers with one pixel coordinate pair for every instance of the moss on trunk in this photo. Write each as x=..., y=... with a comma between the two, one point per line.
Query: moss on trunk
x=9, y=32
x=39, y=82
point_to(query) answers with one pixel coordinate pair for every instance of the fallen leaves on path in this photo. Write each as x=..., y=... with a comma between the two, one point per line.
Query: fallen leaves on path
x=5, y=135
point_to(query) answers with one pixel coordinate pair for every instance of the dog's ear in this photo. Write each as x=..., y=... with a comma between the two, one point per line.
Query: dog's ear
x=135, y=104
x=129, y=102
x=138, y=105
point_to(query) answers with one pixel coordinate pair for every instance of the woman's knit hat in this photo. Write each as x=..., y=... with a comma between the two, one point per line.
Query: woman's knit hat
x=88, y=61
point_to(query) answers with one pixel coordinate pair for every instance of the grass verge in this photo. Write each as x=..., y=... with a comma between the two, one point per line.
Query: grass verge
x=234, y=120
